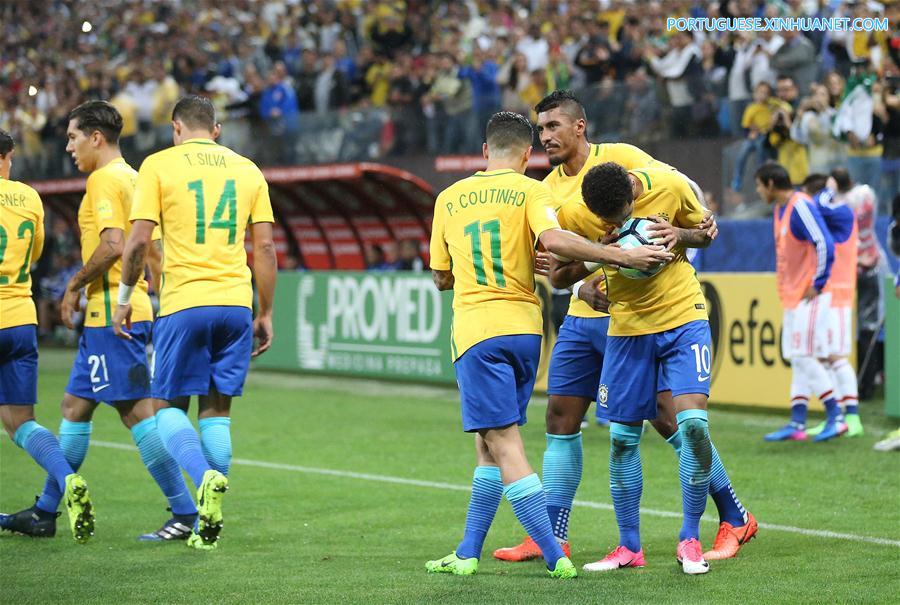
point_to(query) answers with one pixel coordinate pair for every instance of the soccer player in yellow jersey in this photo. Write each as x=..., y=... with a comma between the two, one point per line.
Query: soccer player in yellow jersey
x=107, y=369
x=659, y=338
x=577, y=357
x=482, y=246
x=203, y=197
x=21, y=243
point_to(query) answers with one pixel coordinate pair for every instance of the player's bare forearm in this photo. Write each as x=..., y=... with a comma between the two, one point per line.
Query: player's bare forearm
x=693, y=238
x=563, y=275
x=443, y=279
x=154, y=263
x=571, y=245
x=136, y=248
x=265, y=266
x=112, y=243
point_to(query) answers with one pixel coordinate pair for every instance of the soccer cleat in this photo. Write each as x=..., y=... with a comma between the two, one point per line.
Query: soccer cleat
x=854, y=425
x=729, y=539
x=890, y=442
x=209, y=511
x=833, y=428
x=564, y=569
x=179, y=527
x=30, y=522
x=788, y=432
x=79, y=507
x=526, y=551
x=620, y=558
x=455, y=565
x=816, y=429
x=690, y=555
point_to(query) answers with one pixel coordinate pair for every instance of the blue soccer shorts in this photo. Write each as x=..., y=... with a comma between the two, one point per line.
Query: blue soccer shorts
x=496, y=378
x=577, y=357
x=200, y=349
x=18, y=365
x=111, y=369
x=637, y=367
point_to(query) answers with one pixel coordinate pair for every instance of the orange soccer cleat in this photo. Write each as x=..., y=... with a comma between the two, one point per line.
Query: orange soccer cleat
x=729, y=539
x=526, y=551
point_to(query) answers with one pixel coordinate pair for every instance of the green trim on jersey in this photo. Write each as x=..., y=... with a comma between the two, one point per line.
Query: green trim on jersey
x=106, y=302
x=646, y=178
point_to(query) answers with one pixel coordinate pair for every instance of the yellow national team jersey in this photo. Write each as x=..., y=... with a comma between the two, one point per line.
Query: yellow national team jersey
x=106, y=205
x=672, y=297
x=21, y=243
x=202, y=196
x=484, y=230
x=575, y=216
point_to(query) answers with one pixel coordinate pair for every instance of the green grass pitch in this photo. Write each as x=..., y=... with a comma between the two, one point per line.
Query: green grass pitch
x=296, y=532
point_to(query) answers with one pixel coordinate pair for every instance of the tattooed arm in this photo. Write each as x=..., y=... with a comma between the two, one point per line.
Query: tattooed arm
x=133, y=260
x=112, y=242
x=154, y=263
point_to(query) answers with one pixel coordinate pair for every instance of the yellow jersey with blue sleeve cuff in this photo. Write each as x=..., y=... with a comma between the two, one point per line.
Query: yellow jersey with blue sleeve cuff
x=203, y=196
x=672, y=297
x=21, y=244
x=106, y=205
x=484, y=230
x=575, y=216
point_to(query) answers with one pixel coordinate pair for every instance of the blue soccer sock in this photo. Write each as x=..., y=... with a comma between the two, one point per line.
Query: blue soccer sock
x=530, y=506
x=162, y=467
x=626, y=482
x=215, y=438
x=694, y=468
x=487, y=491
x=74, y=438
x=832, y=409
x=42, y=445
x=563, y=461
x=182, y=442
x=730, y=508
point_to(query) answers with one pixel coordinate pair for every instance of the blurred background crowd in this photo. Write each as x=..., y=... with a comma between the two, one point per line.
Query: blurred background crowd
x=324, y=80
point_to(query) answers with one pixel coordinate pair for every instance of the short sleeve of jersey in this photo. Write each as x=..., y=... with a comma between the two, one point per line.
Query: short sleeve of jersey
x=105, y=196
x=440, y=253
x=690, y=212
x=632, y=157
x=539, y=209
x=146, y=205
x=261, y=211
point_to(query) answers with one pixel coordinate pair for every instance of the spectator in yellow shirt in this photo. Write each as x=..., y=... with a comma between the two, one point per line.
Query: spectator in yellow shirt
x=757, y=120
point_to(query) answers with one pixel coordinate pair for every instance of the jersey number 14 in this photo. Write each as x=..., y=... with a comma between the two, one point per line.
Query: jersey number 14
x=224, y=216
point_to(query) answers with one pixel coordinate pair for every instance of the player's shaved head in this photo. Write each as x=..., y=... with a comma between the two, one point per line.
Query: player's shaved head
x=606, y=190
x=774, y=174
x=565, y=101
x=6, y=143
x=98, y=116
x=508, y=133
x=195, y=112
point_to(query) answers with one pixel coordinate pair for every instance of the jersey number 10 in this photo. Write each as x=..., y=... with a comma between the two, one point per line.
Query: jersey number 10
x=474, y=231
x=227, y=205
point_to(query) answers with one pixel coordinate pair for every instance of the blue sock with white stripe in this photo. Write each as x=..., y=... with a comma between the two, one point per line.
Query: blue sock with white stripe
x=563, y=461
x=626, y=482
x=487, y=491
x=215, y=438
x=162, y=467
x=42, y=445
x=730, y=508
x=530, y=506
x=74, y=438
x=694, y=469
x=182, y=442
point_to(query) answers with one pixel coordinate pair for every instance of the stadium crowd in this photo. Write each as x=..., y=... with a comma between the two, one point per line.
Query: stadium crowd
x=392, y=76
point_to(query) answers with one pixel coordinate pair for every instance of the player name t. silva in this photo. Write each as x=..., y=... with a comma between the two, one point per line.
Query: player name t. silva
x=514, y=197
x=205, y=159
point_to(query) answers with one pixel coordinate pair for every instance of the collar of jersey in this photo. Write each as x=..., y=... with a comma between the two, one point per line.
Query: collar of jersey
x=494, y=172
x=199, y=142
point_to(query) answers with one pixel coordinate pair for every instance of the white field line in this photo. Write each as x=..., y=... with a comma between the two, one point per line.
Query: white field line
x=816, y=533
